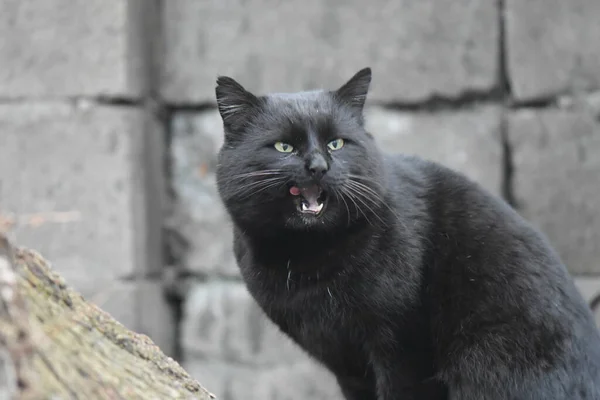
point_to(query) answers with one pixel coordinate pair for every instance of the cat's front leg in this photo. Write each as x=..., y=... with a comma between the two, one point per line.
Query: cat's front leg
x=357, y=389
x=391, y=382
x=391, y=377
x=393, y=385
x=400, y=376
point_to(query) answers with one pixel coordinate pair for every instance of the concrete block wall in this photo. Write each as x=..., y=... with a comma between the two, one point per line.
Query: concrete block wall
x=81, y=150
x=109, y=133
x=417, y=49
x=64, y=48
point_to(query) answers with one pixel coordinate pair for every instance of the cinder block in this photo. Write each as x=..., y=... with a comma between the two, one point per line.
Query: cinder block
x=154, y=316
x=68, y=174
x=556, y=180
x=552, y=47
x=199, y=215
x=417, y=49
x=468, y=141
x=222, y=322
x=57, y=48
x=303, y=380
x=119, y=299
x=298, y=381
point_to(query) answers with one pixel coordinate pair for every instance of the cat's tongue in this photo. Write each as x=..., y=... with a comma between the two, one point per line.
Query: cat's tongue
x=310, y=195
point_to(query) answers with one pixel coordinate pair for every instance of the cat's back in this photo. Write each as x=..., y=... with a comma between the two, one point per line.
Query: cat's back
x=453, y=202
x=469, y=230
x=497, y=287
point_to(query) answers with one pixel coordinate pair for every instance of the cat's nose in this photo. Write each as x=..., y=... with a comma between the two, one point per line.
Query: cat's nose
x=317, y=166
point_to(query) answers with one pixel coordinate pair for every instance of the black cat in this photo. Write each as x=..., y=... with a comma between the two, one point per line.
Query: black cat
x=404, y=278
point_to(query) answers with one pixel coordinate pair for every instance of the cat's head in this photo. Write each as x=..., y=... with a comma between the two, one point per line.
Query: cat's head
x=300, y=161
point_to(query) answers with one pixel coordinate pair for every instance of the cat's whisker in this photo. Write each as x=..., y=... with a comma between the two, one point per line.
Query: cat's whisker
x=367, y=189
x=260, y=186
x=364, y=178
x=393, y=212
x=364, y=202
x=251, y=185
x=257, y=174
x=381, y=201
x=339, y=196
x=375, y=202
x=358, y=208
x=262, y=189
x=365, y=199
x=275, y=184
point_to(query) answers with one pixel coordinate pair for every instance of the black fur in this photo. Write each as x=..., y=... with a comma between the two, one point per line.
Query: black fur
x=414, y=282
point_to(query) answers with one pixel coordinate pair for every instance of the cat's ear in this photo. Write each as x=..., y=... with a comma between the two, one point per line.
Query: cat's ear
x=235, y=103
x=354, y=92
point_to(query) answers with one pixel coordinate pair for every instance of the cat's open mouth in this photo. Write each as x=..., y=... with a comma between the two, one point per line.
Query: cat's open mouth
x=310, y=199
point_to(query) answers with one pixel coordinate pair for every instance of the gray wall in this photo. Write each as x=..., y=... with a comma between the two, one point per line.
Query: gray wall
x=108, y=136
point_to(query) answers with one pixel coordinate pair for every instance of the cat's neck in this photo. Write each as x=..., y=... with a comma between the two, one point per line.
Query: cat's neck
x=281, y=245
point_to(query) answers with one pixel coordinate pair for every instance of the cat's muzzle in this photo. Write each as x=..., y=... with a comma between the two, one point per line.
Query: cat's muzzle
x=309, y=199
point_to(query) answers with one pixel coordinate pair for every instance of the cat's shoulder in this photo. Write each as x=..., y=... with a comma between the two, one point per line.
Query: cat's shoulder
x=410, y=164
x=426, y=174
x=416, y=177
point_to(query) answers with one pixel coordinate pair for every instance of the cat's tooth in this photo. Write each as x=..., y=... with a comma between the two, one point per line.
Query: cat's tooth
x=304, y=206
x=319, y=208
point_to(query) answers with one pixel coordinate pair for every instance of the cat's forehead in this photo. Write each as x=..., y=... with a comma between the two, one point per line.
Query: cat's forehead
x=302, y=113
x=300, y=102
x=300, y=106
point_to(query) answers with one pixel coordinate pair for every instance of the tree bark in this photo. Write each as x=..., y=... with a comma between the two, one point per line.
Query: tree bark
x=55, y=345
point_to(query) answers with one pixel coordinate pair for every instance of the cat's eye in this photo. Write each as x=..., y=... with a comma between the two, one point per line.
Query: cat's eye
x=336, y=144
x=284, y=147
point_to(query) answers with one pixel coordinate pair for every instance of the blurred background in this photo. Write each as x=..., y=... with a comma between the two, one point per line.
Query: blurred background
x=109, y=134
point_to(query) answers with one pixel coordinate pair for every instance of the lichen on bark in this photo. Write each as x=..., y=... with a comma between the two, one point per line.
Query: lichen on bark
x=56, y=345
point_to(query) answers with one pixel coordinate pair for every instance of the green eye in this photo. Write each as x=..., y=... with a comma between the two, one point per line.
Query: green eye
x=336, y=144
x=284, y=147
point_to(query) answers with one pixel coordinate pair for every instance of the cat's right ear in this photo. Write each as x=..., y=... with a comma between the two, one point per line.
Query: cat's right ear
x=354, y=92
x=235, y=103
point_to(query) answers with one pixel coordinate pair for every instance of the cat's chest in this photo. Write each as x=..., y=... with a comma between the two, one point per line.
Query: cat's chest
x=311, y=305
x=328, y=328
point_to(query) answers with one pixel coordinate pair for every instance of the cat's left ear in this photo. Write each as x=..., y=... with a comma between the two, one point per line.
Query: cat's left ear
x=235, y=103
x=354, y=92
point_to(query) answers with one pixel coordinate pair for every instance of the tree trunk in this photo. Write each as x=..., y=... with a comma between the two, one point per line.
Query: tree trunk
x=55, y=345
